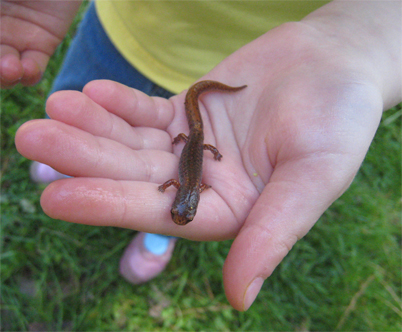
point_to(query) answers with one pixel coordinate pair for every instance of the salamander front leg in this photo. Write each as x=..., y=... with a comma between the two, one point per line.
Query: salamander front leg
x=214, y=150
x=167, y=184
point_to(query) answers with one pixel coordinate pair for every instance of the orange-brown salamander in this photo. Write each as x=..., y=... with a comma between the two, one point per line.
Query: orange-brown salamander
x=190, y=165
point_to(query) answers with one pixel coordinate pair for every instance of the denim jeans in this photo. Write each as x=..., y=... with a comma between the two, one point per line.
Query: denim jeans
x=92, y=56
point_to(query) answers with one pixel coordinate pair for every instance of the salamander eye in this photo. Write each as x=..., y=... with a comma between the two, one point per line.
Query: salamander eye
x=191, y=213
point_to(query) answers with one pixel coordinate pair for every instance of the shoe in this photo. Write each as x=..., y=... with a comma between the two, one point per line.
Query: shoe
x=146, y=257
x=41, y=173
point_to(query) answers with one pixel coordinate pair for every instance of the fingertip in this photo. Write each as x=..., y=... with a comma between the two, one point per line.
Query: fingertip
x=100, y=89
x=11, y=70
x=246, y=267
x=56, y=200
x=60, y=101
x=44, y=199
x=32, y=72
x=251, y=292
x=24, y=136
x=109, y=94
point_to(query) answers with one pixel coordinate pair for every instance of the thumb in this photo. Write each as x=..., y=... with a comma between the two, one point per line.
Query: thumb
x=288, y=207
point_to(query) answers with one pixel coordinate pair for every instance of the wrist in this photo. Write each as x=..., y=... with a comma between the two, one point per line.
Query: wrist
x=369, y=33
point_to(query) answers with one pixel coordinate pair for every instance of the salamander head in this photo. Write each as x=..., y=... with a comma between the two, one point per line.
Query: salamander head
x=185, y=209
x=182, y=218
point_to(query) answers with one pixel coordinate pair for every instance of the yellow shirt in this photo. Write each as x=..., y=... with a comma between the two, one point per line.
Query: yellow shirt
x=174, y=43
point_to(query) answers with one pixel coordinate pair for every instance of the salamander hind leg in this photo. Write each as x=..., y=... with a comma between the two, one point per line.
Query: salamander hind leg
x=214, y=150
x=167, y=184
x=204, y=186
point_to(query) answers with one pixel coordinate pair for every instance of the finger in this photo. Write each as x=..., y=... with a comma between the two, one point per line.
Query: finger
x=288, y=207
x=74, y=152
x=135, y=205
x=78, y=110
x=26, y=69
x=34, y=64
x=132, y=105
x=11, y=70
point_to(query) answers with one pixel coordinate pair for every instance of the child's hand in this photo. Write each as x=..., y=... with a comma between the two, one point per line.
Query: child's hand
x=292, y=142
x=30, y=32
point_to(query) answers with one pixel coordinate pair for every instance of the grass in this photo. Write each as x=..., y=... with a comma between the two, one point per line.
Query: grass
x=344, y=275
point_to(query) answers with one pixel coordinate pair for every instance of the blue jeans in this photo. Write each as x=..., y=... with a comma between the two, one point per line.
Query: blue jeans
x=92, y=56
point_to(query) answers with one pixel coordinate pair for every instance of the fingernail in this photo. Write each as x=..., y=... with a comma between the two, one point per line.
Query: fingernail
x=252, y=291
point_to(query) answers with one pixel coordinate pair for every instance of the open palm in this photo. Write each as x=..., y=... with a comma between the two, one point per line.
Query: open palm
x=113, y=132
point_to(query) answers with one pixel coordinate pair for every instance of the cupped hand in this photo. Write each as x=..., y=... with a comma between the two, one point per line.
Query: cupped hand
x=30, y=32
x=292, y=141
x=118, y=139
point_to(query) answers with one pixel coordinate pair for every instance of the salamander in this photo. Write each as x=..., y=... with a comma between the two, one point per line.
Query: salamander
x=189, y=185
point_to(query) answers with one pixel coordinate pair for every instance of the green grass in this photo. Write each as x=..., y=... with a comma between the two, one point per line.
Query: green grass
x=344, y=275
